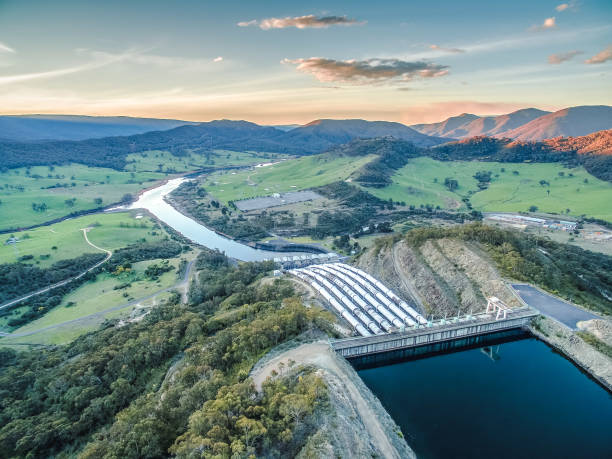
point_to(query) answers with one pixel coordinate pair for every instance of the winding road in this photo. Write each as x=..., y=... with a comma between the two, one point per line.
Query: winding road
x=65, y=281
x=184, y=283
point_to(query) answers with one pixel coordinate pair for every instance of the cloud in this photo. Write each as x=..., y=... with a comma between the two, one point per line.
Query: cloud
x=301, y=22
x=367, y=71
x=601, y=56
x=448, y=50
x=247, y=23
x=218, y=59
x=98, y=63
x=549, y=23
x=571, y=6
x=6, y=48
x=562, y=57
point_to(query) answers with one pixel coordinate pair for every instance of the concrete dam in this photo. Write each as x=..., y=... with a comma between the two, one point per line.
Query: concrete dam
x=386, y=322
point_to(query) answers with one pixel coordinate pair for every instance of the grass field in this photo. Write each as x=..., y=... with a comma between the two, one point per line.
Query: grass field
x=156, y=161
x=111, y=231
x=421, y=182
x=291, y=175
x=94, y=297
x=19, y=190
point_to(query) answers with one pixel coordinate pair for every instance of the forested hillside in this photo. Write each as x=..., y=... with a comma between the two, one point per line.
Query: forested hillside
x=176, y=382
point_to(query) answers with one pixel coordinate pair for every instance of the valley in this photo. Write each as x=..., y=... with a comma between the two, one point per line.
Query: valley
x=186, y=280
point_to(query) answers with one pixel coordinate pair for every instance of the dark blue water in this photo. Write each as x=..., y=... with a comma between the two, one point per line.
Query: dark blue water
x=517, y=399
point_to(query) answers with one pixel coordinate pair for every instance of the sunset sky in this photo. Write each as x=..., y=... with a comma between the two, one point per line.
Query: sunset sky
x=281, y=62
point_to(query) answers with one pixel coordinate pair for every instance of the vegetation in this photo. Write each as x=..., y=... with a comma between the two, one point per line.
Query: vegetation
x=175, y=382
x=599, y=345
x=425, y=181
x=108, y=230
x=292, y=175
x=41, y=194
x=578, y=275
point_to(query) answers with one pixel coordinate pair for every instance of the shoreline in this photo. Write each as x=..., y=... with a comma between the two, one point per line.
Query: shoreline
x=582, y=355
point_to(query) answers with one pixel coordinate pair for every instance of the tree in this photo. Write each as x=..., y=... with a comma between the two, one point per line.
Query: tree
x=451, y=183
x=251, y=430
x=533, y=208
x=98, y=201
x=295, y=407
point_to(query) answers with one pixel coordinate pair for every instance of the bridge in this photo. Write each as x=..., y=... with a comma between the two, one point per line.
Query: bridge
x=387, y=323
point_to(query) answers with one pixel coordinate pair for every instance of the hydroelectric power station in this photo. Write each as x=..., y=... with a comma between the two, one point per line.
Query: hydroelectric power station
x=387, y=323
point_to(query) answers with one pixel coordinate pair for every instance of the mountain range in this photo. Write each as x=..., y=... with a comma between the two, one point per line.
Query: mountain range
x=27, y=128
x=525, y=124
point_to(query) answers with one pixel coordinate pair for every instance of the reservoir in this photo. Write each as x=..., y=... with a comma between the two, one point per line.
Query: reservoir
x=153, y=201
x=509, y=397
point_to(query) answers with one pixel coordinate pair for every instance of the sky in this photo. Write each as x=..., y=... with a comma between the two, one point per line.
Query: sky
x=286, y=62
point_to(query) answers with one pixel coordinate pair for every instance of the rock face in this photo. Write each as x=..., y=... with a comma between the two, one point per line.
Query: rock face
x=442, y=278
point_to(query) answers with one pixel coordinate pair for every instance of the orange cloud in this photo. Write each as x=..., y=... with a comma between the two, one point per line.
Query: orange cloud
x=549, y=23
x=562, y=57
x=367, y=71
x=601, y=56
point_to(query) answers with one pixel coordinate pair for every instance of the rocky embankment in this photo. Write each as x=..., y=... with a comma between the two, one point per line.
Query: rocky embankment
x=356, y=424
x=450, y=277
x=443, y=278
x=572, y=345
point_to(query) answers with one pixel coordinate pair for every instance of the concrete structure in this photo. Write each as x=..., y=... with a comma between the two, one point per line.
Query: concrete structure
x=440, y=332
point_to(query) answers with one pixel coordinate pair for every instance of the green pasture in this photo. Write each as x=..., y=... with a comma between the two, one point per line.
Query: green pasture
x=109, y=231
x=78, y=184
x=290, y=175
x=517, y=188
x=95, y=297
x=164, y=161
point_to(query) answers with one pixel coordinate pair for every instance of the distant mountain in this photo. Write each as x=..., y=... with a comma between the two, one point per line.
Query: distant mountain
x=598, y=143
x=444, y=128
x=285, y=127
x=468, y=125
x=573, y=121
x=222, y=134
x=322, y=134
x=72, y=127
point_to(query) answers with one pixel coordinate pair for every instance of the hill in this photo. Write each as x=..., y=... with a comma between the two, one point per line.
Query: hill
x=320, y=135
x=468, y=125
x=72, y=127
x=573, y=121
x=598, y=143
x=203, y=137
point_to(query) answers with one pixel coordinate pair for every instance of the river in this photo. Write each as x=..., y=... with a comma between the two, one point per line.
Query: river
x=153, y=201
x=509, y=399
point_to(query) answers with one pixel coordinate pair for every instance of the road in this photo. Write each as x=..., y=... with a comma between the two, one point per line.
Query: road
x=551, y=306
x=184, y=282
x=66, y=281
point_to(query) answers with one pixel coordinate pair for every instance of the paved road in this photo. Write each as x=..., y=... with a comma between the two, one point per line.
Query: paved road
x=66, y=281
x=183, y=282
x=554, y=307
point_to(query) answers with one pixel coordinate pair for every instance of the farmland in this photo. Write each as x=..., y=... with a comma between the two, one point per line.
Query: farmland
x=40, y=194
x=109, y=231
x=512, y=188
x=164, y=161
x=292, y=175
x=104, y=293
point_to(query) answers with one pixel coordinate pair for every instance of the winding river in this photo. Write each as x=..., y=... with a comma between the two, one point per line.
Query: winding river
x=153, y=201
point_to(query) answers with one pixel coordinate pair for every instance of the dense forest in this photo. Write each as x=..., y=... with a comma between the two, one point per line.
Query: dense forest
x=579, y=275
x=176, y=382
